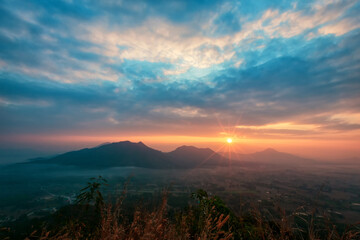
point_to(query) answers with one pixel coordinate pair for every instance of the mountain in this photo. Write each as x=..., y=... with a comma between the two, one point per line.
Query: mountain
x=14, y=155
x=122, y=154
x=189, y=157
x=129, y=154
x=118, y=154
x=271, y=156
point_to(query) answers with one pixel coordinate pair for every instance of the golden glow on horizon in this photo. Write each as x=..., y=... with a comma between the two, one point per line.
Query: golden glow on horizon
x=229, y=140
x=328, y=146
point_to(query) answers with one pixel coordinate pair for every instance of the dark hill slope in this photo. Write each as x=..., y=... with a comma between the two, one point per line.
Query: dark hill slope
x=271, y=156
x=118, y=154
x=189, y=157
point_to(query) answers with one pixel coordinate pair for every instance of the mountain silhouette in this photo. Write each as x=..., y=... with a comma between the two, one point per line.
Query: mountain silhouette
x=120, y=154
x=125, y=154
x=189, y=157
x=129, y=154
x=271, y=156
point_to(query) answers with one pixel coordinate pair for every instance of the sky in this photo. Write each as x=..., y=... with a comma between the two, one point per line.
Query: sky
x=281, y=74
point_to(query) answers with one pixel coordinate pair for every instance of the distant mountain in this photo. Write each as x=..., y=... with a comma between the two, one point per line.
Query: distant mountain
x=189, y=157
x=271, y=156
x=13, y=155
x=118, y=154
x=122, y=154
x=126, y=154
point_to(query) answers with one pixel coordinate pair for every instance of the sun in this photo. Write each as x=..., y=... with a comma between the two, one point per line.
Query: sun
x=229, y=140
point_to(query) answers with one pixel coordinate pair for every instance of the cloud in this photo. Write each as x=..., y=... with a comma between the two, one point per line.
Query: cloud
x=64, y=40
x=167, y=66
x=341, y=27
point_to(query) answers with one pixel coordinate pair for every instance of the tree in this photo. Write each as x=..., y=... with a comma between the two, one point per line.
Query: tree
x=91, y=194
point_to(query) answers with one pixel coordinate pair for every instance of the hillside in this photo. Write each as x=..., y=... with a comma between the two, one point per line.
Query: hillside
x=271, y=156
x=190, y=157
x=129, y=154
x=120, y=154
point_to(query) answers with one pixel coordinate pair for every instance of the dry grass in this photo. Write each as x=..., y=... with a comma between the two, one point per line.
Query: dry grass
x=146, y=225
x=283, y=228
x=156, y=225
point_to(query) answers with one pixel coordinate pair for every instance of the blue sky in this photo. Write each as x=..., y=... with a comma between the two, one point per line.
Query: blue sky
x=269, y=69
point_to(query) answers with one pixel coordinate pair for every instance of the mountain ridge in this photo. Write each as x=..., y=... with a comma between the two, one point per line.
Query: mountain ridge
x=118, y=154
x=126, y=154
x=272, y=156
x=191, y=156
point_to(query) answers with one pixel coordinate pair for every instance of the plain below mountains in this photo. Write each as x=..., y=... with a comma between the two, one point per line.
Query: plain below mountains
x=129, y=154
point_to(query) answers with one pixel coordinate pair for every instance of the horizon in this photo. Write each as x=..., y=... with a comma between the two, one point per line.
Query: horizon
x=282, y=75
x=224, y=150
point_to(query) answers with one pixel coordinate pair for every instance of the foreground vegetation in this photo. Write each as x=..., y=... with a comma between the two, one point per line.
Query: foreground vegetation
x=205, y=217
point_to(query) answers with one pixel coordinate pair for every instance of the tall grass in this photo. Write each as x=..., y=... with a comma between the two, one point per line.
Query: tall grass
x=205, y=220
x=207, y=217
x=144, y=224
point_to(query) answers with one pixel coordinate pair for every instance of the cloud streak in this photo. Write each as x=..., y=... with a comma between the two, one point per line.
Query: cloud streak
x=174, y=66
